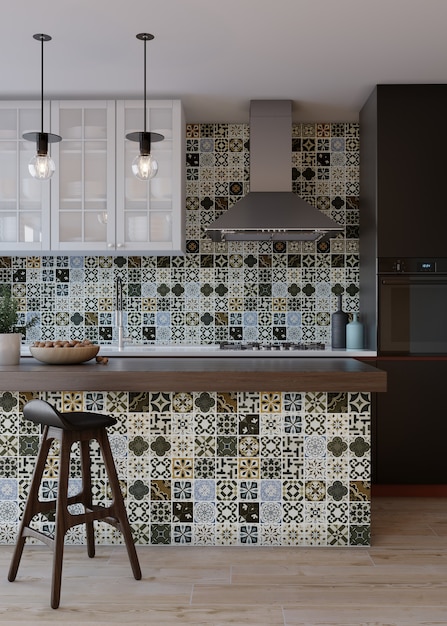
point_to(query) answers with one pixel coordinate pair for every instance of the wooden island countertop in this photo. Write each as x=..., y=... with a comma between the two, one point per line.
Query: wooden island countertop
x=196, y=374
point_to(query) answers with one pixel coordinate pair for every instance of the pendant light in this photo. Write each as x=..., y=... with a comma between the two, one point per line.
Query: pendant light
x=144, y=166
x=41, y=165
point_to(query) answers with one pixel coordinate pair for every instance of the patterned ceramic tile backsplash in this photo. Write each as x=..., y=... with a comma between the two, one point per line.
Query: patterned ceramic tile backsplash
x=214, y=468
x=211, y=468
x=235, y=291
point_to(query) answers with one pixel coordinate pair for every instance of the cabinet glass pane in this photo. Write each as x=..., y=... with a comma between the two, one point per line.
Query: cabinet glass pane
x=136, y=227
x=95, y=123
x=29, y=121
x=8, y=124
x=160, y=186
x=8, y=176
x=134, y=120
x=30, y=189
x=70, y=226
x=136, y=190
x=8, y=226
x=70, y=175
x=160, y=226
x=95, y=173
x=95, y=226
x=30, y=227
x=83, y=227
x=83, y=123
x=161, y=122
x=70, y=123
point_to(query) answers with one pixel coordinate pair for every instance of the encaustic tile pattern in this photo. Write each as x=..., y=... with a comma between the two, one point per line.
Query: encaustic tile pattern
x=206, y=468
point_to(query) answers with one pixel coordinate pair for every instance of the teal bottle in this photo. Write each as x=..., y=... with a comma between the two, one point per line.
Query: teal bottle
x=354, y=333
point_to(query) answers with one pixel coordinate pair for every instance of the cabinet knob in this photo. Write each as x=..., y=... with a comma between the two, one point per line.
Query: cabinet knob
x=120, y=245
x=110, y=245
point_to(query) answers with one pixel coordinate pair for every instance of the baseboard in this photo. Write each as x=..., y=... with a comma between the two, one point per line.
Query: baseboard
x=415, y=491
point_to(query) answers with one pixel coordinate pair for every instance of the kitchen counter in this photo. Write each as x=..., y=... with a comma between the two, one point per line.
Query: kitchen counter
x=214, y=350
x=196, y=374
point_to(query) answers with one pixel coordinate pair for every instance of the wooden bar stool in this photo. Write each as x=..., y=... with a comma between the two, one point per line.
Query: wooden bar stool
x=69, y=428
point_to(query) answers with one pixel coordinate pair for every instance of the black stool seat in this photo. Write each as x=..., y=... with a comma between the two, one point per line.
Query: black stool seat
x=41, y=412
x=69, y=428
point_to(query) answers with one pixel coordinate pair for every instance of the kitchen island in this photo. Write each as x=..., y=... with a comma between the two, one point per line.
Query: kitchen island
x=213, y=451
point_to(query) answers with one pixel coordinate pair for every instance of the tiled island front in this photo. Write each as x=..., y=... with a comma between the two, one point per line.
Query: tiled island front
x=212, y=467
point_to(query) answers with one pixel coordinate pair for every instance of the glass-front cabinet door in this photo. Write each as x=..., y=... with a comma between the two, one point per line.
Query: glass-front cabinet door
x=93, y=202
x=149, y=214
x=24, y=201
x=83, y=192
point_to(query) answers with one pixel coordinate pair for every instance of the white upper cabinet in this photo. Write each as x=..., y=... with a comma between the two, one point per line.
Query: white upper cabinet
x=149, y=214
x=24, y=201
x=93, y=203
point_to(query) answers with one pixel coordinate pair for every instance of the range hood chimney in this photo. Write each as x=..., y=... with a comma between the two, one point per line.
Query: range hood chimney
x=271, y=211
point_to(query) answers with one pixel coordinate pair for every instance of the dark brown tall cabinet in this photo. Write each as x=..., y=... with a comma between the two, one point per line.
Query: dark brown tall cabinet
x=403, y=143
x=403, y=213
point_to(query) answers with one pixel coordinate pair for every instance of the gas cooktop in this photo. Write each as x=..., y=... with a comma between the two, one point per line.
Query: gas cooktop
x=281, y=346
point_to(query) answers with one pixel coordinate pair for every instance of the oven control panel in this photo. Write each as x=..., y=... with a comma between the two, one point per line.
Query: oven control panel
x=411, y=265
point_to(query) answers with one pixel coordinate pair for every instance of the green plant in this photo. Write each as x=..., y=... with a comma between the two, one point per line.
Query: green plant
x=9, y=307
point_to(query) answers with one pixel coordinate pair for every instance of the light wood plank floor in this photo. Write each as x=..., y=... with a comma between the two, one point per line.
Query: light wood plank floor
x=401, y=580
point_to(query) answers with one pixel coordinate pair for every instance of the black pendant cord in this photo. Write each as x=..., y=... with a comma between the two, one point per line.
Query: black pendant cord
x=41, y=82
x=145, y=112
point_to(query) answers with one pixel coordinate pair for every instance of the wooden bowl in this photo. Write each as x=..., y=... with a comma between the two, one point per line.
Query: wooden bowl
x=64, y=356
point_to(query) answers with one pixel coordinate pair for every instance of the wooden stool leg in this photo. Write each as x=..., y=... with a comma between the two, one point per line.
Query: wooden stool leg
x=120, y=508
x=62, y=522
x=87, y=494
x=32, y=503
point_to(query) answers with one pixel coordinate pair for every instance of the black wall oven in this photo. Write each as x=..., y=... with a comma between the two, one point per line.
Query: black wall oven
x=409, y=429
x=412, y=302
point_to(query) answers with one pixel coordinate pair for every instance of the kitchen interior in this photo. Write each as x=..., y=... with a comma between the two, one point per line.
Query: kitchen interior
x=183, y=267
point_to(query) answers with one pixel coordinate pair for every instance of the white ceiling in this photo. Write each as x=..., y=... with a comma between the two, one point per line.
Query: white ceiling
x=217, y=55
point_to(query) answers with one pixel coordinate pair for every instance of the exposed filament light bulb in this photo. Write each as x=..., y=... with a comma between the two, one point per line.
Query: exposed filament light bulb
x=144, y=166
x=41, y=167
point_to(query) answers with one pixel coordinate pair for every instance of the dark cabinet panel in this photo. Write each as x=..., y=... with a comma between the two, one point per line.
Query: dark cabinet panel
x=410, y=423
x=403, y=133
x=403, y=160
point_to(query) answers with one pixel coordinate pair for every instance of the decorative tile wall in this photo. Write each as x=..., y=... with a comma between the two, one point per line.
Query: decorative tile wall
x=211, y=468
x=216, y=292
x=214, y=468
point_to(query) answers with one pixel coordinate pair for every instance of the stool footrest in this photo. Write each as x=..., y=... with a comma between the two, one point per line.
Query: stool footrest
x=92, y=513
x=38, y=534
x=95, y=513
x=45, y=506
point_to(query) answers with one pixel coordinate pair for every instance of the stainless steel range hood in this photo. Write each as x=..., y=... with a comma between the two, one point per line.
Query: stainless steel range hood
x=271, y=211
